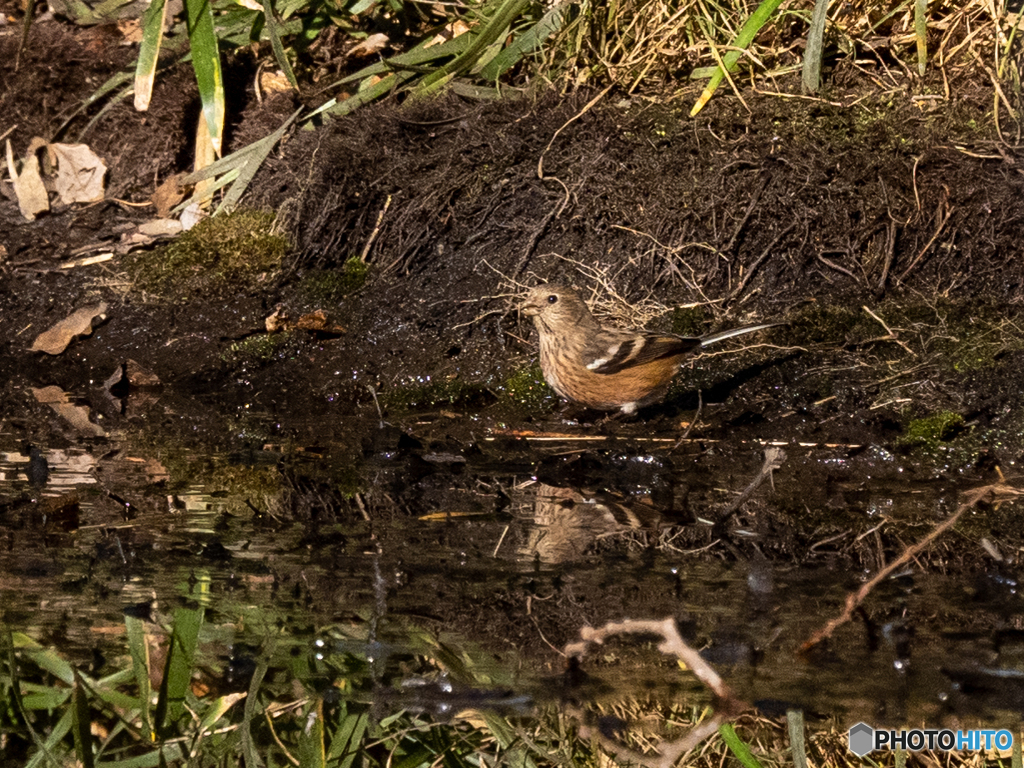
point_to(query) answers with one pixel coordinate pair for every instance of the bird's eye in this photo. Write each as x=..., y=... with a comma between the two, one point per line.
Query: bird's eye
x=552, y=299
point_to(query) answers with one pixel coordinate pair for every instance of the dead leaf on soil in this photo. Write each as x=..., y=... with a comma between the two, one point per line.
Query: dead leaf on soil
x=147, y=232
x=80, y=173
x=160, y=228
x=79, y=323
x=314, y=321
x=192, y=215
x=277, y=320
x=76, y=415
x=371, y=45
x=317, y=321
x=28, y=185
x=274, y=82
x=168, y=195
x=131, y=31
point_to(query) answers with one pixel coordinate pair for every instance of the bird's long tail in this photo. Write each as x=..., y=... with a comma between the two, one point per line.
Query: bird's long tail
x=714, y=338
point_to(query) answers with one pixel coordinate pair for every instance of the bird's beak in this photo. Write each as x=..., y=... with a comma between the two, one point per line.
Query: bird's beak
x=529, y=309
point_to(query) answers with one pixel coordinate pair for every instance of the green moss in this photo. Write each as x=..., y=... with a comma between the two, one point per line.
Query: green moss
x=972, y=337
x=526, y=388
x=257, y=350
x=423, y=392
x=218, y=254
x=688, y=321
x=931, y=431
x=328, y=286
x=825, y=324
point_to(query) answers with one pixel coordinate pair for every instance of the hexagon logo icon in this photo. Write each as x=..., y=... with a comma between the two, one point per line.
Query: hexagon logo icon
x=862, y=739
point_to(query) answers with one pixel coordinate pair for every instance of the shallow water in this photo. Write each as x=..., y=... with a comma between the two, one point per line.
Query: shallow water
x=373, y=538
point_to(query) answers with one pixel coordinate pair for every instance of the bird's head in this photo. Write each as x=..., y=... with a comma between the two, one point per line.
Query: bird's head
x=555, y=306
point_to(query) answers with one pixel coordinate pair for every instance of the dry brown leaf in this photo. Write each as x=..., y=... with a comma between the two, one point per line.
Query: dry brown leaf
x=192, y=215
x=317, y=321
x=314, y=321
x=131, y=31
x=274, y=82
x=277, y=320
x=79, y=323
x=80, y=173
x=28, y=185
x=168, y=195
x=160, y=228
x=156, y=472
x=371, y=45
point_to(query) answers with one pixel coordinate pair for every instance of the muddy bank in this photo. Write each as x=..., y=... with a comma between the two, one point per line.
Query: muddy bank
x=773, y=209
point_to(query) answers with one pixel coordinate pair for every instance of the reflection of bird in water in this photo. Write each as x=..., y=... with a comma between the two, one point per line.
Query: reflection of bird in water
x=567, y=522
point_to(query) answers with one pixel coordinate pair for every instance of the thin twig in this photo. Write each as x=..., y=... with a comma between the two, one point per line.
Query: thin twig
x=758, y=261
x=854, y=599
x=566, y=124
x=692, y=424
x=892, y=336
x=773, y=458
x=376, y=230
x=746, y=214
x=927, y=246
x=837, y=268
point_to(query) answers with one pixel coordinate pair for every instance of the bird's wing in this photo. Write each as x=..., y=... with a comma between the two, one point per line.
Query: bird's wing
x=612, y=351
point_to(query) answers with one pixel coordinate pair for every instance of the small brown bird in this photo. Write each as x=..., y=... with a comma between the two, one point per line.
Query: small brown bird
x=607, y=368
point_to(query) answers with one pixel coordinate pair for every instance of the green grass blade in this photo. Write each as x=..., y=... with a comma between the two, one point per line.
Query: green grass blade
x=206, y=64
x=252, y=708
x=347, y=737
x=149, y=52
x=178, y=671
x=80, y=720
x=527, y=42
x=76, y=10
x=419, y=56
x=43, y=657
x=743, y=39
x=491, y=31
x=26, y=27
x=795, y=721
x=517, y=752
x=117, y=80
x=43, y=748
x=48, y=750
x=139, y=650
x=95, y=119
x=811, y=76
x=159, y=757
x=217, y=710
x=253, y=161
x=921, y=33
x=35, y=696
x=737, y=746
x=375, y=91
x=273, y=29
x=311, y=736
